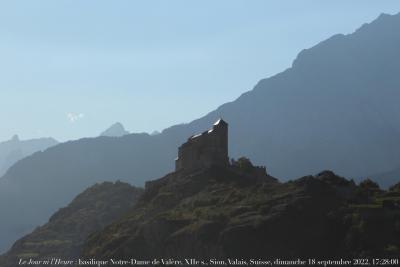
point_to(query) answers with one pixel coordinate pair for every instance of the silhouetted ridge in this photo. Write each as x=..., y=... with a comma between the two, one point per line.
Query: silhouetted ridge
x=15, y=149
x=63, y=235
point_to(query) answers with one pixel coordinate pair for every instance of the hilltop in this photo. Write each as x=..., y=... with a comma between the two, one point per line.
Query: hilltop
x=220, y=213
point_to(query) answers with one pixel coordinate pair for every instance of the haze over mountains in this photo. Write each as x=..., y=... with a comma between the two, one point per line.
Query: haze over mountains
x=67, y=229
x=335, y=108
x=15, y=149
x=115, y=130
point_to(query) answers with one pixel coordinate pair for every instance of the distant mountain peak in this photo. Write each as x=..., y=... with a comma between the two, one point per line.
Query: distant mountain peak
x=15, y=138
x=155, y=132
x=115, y=130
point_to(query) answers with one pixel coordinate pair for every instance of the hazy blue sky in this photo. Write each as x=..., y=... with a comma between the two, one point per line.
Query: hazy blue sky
x=69, y=69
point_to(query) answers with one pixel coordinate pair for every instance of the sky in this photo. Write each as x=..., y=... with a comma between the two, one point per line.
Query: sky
x=69, y=68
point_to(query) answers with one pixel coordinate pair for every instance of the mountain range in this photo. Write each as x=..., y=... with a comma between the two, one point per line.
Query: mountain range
x=335, y=108
x=15, y=149
x=65, y=232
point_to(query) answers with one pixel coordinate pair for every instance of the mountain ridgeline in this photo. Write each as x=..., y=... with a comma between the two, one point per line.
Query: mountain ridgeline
x=335, y=108
x=64, y=234
x=15, y=149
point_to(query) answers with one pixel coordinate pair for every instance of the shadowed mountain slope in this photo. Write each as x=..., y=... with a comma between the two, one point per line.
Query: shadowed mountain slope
x=335, y=108
x=15, y=149
x=64, y=234
x=218, y=213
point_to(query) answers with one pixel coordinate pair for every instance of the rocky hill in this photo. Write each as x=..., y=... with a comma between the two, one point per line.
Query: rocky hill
x=335, y=108
x=221, y=213
x=63, y=235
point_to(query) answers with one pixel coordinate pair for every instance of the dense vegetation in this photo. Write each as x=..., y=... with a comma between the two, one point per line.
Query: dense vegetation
x=221, y=213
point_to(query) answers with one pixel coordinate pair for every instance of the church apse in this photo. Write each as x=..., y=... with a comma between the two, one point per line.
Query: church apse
x=205, y=150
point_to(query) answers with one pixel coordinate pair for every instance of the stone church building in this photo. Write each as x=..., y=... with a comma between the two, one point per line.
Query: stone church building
x=205, y=150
